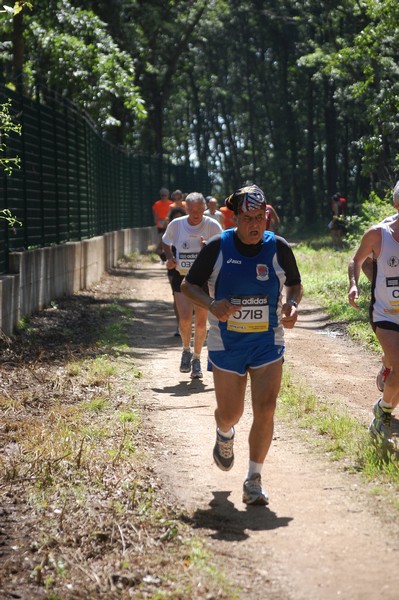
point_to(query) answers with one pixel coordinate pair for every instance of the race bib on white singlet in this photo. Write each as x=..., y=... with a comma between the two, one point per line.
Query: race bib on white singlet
x=392, y=284
x=185, y=261
x=251, y=316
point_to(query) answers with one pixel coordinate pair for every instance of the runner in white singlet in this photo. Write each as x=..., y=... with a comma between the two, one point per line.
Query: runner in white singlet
x=382, y=243
x=187, y=235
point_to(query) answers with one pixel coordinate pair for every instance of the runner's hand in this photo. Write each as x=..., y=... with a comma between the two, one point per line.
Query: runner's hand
x=290, y=315
x=353, y=295
x=222, y=309
x=171, y=263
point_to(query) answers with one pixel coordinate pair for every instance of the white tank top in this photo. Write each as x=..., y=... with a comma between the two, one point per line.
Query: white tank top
x=187, y=239
x=385, y=298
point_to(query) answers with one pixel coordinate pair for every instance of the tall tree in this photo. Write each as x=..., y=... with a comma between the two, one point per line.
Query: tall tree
x=71, y=51
x=299, y=96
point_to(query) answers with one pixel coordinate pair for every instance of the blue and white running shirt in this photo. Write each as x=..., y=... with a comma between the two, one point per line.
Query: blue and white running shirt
x=251, y=277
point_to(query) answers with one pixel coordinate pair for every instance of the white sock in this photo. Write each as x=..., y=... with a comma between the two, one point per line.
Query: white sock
x=196, y=355
x=226, y=434
x=254, y=467
x=187, y=348
x=385, y=405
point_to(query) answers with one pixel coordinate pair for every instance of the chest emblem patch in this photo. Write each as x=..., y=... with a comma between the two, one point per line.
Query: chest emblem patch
x=393, y=261
x=262, y=272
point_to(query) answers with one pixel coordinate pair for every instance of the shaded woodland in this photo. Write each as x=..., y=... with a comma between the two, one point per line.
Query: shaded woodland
x=300, y=97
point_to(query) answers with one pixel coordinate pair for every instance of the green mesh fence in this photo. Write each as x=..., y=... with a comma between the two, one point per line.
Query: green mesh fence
x=73, y=185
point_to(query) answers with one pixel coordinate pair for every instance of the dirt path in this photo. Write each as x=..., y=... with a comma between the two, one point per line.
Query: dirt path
x=324, y=534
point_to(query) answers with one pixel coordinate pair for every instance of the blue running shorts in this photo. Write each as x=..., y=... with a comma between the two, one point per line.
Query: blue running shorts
x=241, y=359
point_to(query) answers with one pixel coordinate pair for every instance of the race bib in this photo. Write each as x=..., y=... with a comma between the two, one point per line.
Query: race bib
x=392, y=284
x=251, y=316
x=186, y=259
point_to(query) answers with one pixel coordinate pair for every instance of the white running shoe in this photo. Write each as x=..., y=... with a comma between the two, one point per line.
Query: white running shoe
x=196, y=371
x=223, y=454
x=253, y=492
x=380, y=426
x=185, y=364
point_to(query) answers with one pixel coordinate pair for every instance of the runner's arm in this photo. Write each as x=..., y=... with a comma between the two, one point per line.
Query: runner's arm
x=167, y=245
x=287, y=261
x=368, y=268
x=293, y=296
x=293, y=285
x=370, y=244
x=197, y=277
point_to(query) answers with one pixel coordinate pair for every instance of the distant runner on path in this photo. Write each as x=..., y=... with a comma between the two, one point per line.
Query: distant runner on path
x=247, y=269
x=182, y=241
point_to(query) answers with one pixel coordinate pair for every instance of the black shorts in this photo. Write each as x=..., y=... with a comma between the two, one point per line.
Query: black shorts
x=170, y=273
x=176, y=279
x=385, y=325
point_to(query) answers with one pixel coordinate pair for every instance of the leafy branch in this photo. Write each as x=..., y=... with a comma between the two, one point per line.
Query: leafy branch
x=6, y=126
x=17, y=8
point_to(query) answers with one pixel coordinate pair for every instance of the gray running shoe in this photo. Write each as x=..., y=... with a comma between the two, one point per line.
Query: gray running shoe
x=381, y=377
x=253, y=492
x=380, y=426
x=223, y=454
x=196, y=371
x=185, y=364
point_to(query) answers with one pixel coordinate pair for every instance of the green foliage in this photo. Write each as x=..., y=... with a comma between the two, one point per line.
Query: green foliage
x=366, y=69
x=17, y=8
x=7, y=215
x=301, y=97
x=72, y=52
x=373, y=210
x=7, y=125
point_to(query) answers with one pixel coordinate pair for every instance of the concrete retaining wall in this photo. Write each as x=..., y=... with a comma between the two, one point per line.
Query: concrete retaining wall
x=37, y=277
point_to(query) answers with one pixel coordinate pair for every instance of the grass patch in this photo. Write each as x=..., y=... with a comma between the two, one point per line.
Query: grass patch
x=95, y=520
x=338, y=434
x=325, y=279
x=114, y=332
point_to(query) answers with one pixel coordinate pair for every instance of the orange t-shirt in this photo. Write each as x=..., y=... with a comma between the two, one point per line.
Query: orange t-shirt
x=229, y=217
x=174, y=205
x=161, y=210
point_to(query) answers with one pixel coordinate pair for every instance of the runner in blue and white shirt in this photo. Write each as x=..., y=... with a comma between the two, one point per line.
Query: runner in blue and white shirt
x=247, y=270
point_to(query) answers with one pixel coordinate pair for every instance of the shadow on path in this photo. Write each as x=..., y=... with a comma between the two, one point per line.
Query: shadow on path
x=184, y=388
x=230, y=524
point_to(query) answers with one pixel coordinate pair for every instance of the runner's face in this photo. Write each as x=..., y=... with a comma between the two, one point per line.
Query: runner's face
x=195, y=212
x=251, y=225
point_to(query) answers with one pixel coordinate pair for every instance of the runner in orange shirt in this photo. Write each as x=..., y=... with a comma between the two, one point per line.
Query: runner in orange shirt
x=160, y=211
x=229, y=219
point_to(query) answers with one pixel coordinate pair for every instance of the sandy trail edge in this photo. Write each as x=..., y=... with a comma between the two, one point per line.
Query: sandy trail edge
x=324, y=535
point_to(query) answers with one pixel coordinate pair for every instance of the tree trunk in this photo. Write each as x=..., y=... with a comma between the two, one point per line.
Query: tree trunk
x=330, y=122
x=18, y=50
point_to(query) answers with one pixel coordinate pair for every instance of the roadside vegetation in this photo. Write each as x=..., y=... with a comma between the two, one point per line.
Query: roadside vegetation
x=325, y=271
x=75, y=474
x=93, y=521
x=340, y=437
